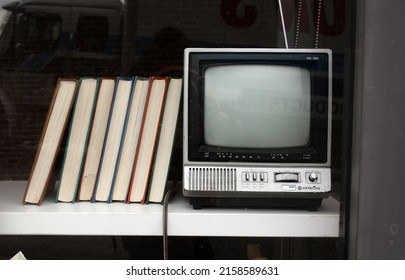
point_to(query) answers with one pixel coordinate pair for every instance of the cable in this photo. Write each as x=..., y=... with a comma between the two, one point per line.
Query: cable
x=283, y=24
x=165, y=220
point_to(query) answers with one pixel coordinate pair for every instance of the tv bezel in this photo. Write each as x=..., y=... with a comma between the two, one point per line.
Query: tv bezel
x=316, y=153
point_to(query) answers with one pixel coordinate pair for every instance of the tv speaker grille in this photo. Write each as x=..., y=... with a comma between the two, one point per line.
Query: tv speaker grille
x=212, y=179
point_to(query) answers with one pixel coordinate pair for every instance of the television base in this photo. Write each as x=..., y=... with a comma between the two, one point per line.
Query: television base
x=311, y=204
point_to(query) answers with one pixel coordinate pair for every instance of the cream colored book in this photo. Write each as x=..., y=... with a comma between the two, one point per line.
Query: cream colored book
x=130, y=140
x=96, y=141
x=143, y=161
x=77, y=140
x=115, y=129
x=40, y=180
x=165, y=143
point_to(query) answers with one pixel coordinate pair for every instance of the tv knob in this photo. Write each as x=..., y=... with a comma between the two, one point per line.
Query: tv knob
x=313, y=177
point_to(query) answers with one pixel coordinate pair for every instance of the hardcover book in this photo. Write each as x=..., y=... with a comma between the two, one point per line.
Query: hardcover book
x=150, y=127
x=130, y=140
x=97, y=135
x=77, y=139
x=40, y=180
x=161, y=164
x=115, y=129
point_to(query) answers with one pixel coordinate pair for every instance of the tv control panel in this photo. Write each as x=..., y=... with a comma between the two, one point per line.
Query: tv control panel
x=256, y=179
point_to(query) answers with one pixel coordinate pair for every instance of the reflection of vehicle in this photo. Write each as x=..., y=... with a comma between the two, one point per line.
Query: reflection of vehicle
x=42, y=40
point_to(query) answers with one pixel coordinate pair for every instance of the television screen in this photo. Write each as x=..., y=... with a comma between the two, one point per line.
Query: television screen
x=257, y=106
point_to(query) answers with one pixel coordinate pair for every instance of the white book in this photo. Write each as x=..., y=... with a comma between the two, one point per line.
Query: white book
x=97, y=136
x=130, y=140
x=118, y=115
x=77, y=139
x=143, y=161
x=39, y=182
x=165, y=143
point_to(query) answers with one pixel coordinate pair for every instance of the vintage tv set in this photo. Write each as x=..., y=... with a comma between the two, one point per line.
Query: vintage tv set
x=257, y=127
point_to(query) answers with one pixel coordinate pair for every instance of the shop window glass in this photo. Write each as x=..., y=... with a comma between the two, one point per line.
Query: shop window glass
x=147, y=38
x=92, y=34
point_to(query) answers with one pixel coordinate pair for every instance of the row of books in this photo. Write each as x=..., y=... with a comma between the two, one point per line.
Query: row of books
x=120, y=136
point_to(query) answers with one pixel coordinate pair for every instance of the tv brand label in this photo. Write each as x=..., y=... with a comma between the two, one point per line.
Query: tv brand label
x=309, y=188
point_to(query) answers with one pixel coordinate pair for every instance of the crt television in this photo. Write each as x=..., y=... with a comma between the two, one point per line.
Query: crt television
x=257, y=127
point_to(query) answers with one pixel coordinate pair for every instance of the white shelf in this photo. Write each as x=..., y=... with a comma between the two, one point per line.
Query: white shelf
x=118, y=219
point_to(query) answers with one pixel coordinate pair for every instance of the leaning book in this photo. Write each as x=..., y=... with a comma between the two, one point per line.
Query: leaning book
x=161, y=165
x=130, y=138
x=143, y=162
x=96, y=141
x=41, y=181
x=77, y=139
x=113, y=138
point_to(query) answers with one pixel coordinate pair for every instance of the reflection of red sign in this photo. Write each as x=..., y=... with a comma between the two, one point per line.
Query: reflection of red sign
x=229, y=14
x=338, y=25
x=328, y=26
